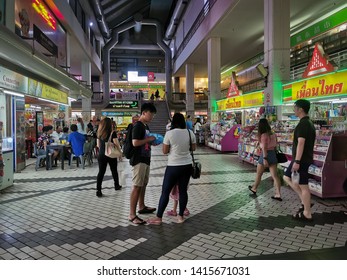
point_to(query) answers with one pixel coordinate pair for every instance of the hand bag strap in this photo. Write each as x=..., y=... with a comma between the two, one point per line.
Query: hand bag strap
x=109, y=139
x=190, y=146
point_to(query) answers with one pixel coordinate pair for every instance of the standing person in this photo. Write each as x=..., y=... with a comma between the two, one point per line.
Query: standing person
x=189, y=123
x=197, y=126
x=140, y=161
x=268, y=143
x=168, y=125
x=104, y=133
x=152, y=97
x=157, y=96
x=81, y=127
x=302, y=158
x=179, y=167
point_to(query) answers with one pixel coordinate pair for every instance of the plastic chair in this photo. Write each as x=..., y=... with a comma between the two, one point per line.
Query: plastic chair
x=38, y=157
x=79, y=159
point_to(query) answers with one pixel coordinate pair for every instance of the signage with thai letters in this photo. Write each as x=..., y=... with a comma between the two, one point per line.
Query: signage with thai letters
x=13, y=80
x=322, y=86
x=120, y=104
x=244, y=101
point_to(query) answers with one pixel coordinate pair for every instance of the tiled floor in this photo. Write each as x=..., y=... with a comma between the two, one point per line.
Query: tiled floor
x=56, y=215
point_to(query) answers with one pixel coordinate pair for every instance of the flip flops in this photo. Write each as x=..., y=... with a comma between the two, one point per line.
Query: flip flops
x=137, y=221
x=171, y=213
x=253, y=192
x=147, y=210
x=301, y=209
x=276, y=198
x=300, y=216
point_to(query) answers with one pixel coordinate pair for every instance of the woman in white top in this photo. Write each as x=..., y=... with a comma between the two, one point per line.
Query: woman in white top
x=268, y=143
x=81, y=127
x=179, y=168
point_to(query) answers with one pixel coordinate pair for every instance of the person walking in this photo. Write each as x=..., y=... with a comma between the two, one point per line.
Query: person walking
x=302, y=158
x=268, y=143
x=140, y=161
x=104, y=133
x=179, y=167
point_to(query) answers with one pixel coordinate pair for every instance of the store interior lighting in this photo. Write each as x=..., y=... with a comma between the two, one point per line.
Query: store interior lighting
x=13, y=93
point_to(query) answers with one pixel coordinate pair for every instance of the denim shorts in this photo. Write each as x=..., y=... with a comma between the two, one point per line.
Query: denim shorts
x=271, y=158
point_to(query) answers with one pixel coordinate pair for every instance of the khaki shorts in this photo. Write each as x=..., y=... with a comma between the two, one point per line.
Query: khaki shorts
x=140, y=174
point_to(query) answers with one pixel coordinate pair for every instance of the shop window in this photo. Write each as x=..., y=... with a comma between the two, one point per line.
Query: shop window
x=5, y=115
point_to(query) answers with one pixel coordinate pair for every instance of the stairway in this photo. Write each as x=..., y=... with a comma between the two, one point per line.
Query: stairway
x=158, y=124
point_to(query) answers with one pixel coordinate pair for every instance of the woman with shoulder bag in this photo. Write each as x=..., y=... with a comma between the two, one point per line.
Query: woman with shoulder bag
x=104, y=134
x=179, y=167
x=268, y=143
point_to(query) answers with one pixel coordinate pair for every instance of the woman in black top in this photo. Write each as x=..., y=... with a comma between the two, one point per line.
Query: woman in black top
x=104, y=132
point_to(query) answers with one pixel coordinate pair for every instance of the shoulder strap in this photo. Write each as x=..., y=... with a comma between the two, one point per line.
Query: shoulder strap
x=190, y=146
x=109, y=139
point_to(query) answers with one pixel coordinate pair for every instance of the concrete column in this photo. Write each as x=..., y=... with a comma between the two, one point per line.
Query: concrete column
x=68, y=52
x=86, y=102
x=9, y=15
x=276, y=48
x=190, y=90
x=213, y=65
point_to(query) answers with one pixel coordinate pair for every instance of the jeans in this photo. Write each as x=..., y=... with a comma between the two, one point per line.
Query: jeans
x=175, y=175
x=103, y=160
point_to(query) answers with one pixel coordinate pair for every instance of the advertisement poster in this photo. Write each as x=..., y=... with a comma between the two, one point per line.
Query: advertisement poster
x=39, y=123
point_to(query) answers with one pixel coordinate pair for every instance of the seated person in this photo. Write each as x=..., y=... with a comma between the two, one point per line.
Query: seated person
x=65, y=134
x=56, y=134
x=44, y=142
x=76, y=140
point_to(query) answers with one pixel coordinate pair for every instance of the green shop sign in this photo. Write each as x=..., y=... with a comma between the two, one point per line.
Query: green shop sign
x=320, y=27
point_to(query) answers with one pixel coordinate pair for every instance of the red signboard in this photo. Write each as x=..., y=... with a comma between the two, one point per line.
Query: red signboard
x=319, y=63
x=150, y=76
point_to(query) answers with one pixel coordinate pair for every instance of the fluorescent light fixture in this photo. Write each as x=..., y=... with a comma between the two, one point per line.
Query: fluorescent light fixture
x=14, y=93
x=91, y=24
x=55, y=102
x=335, y=100
x=71, y=99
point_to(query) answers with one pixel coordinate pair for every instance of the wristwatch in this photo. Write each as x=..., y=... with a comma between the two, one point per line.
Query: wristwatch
x=297, y=161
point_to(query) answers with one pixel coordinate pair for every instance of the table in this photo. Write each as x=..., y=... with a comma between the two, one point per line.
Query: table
x=61, y=149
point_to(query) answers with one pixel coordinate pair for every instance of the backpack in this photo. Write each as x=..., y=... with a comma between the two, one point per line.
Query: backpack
x=128, y=148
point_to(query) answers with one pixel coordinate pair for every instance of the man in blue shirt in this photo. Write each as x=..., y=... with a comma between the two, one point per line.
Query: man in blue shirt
x=76, y=140
x=189, y=123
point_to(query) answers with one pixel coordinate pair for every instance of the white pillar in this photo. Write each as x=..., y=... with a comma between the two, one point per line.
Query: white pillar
x=214, y=65
x=276, y=48
x=190, y=90
x=86, y=102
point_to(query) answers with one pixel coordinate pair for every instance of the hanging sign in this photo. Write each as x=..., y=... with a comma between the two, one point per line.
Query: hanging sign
x=119, y=104
x=319, y=63
x=233, y=89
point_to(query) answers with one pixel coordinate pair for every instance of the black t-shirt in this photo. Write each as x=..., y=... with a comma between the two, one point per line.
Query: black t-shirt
x=102, y=143
x=305, y=129
x=142, y=153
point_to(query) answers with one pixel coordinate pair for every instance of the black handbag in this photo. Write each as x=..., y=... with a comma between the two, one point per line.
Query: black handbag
x=281, y=157
x=196, y=168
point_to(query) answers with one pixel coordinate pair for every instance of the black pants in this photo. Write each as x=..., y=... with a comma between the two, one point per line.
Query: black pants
x=103, y=160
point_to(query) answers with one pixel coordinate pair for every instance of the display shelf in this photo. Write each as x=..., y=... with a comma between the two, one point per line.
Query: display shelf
x=224, y=139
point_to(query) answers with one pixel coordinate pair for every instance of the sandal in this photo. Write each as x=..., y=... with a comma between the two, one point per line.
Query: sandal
x=154, y=221
x=147, y=210
x=301, y=209
x=300, y=216
x=277, y=198
x=171, y=213
x=253, y=192
x=137, y=221
x=186, y=212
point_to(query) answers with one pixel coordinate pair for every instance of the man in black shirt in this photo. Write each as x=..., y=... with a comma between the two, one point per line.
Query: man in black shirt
x=140, y=162
x=302, y=158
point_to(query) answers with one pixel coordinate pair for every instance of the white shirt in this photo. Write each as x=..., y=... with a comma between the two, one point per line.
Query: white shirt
x=197, y=127
x=178, y=140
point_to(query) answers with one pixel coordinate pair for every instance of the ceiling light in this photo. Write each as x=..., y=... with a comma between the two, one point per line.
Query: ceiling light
x=91, y=24
x=14, y=93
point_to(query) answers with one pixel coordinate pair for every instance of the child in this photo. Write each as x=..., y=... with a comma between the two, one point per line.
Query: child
x=175, y=196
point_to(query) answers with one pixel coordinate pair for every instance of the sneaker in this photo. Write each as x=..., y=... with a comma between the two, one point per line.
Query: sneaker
x=98, y=193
